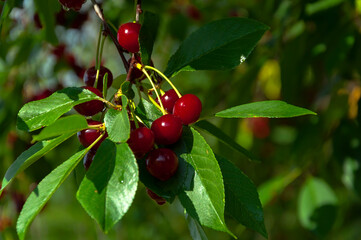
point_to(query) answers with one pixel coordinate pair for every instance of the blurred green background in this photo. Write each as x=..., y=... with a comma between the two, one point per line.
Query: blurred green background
x=309, y=177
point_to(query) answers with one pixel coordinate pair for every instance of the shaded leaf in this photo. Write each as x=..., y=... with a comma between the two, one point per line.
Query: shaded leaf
x=147, y=35
x=6, y=8
x=195, y=229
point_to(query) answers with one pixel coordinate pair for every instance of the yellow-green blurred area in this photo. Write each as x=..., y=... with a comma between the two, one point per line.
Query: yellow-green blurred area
x=309, y=174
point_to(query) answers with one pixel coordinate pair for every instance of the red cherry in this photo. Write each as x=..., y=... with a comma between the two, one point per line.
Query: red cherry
x=168, y=100
x=188, y=108
x=141, y=141
x=88, y=136
x=92, y=107
x=128, y=34
x=91, y=74
x=162, y=163
x=72, y=4
x=155, y=197
x=88, y=158
x=260, y=127
x=167, y=129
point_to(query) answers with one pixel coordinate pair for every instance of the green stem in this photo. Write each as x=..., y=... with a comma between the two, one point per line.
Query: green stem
x=112, y=25
x=131, y=107
x=101, y=52
x=98, y=45
x=96, y=141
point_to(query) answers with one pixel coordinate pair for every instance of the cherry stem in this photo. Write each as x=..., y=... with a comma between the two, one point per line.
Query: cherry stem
x=96, y=79
x=109, y=103
x=131, y=107
x=155, y=103
x=98, y=45
x=96, y=141
x=131, y=67
x=162, y=75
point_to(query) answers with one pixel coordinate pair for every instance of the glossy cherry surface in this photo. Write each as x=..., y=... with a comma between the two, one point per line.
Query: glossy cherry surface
x=188, y=108
x=168, y=100
x=128, y=34
x=167, y=129
x=72, y=4
x=88, y=158
x=92, y=107
x=91, y=74
x=141, y=141
x=155, y=197
x=88, y=136
x=162, y=163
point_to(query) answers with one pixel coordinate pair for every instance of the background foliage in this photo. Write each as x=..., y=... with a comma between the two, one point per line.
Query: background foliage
x=309, y=172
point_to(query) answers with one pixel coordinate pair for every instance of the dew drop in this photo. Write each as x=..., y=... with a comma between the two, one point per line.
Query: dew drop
x=243, y=58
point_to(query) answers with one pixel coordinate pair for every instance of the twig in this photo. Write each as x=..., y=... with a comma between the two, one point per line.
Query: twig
x=138, y=11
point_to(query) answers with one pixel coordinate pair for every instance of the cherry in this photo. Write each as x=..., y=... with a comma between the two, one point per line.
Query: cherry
x=88, y=136
x=88, y=158
x=92, y=107
x=72, y=4
x=141, y=141
x=167, y=129
x=91, y=74
x=188, y=108
x=155, y=197
x=260, y=127
x=41, y=95
x=162, y=163
x=168, y=100
x=128, y=34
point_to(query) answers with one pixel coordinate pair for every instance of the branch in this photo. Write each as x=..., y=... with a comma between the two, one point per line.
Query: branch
x=138, y=11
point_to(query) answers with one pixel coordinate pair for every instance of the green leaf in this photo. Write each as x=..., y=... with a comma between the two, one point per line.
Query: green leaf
x=43, y=192
x=117, y=125
x=205, y=200
x=317, y=206
x=7, y=6
x=41, y=113
x=147, y=35
x=219, y=45
x=127, y=90
x=268, y=109
x=65, y=125
x=218, y=133
x=318, y=6
x=109, y=186
x=242, y=201
x=30, y=156
x=118, y=81
x=47, y=10
x=195, y=229
x=147, y=112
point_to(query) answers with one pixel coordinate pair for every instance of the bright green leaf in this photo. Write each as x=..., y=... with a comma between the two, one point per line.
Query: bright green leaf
x=65, y=125
x=268, y=109
x=242, y=201
x=43, y=192
x=219, y=45
x=147, y=35
x=30, y=156
x=41, y=113
x=117, y=125
x=109, y=186
x=147, y=112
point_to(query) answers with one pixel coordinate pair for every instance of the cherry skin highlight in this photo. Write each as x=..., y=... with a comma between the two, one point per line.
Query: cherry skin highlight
x=167, y=129
x=91, y=74
x=92, y=107
x=168, y=100
x=159, y=200
x=128, y=35
x=188, y=108
x=141, y=141
x=162, y=163
x=88, y=136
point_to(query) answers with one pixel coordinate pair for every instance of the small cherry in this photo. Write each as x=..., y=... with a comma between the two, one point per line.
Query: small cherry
x=92, y=107
x=162, y=163
x=188, y=108
x=91, y=74
x=141, y=141
x=88, y=136
x=260, y=127
x=155, y=197
x=167, y=129
x=128, y=34
x=72, y=4
x=88, y=158
x=168, y=100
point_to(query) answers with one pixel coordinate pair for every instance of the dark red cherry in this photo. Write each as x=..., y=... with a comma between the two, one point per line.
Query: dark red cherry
x=188, y=108
x=88, y=136
x=128, y=34
x=162, y=163
x=41, y=95
x=133, y=127
x=92, y=107
x=141, y=141
x=168, y=100
x=155, y=197
x=88, y=158
x=72, y=4
x=91, y=74
x=167, y=129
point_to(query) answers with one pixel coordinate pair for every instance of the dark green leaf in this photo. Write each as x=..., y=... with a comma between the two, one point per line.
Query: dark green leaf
x=65, y=125
x=205, y=200
x=43, y=192
x=127, y=90
x=147, y=112
x=109, y=186
x=242, y=202
x=117, y=125
x=268, y=109
x=47, y=11
x=195, y=229
x=30, y=156
x=218, y=133
x=219, y=45
x=7, y=6
x=38, y=114
x=147, y=35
